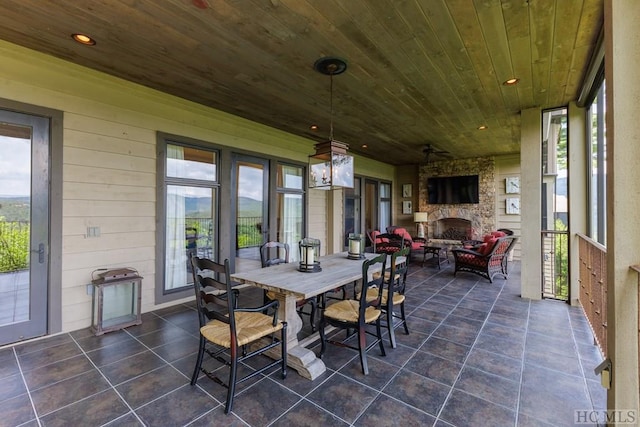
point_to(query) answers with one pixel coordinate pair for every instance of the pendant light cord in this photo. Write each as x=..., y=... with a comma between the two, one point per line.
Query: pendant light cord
x=331, y=106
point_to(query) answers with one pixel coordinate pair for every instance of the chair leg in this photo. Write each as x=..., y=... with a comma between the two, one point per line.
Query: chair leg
x=323, y=338
x=362, y=346
x=312, y=316
x=231, y=389
x=380, y=343
x=196, y=370
x=283, y=347
x=392, y=334
x=404, y=319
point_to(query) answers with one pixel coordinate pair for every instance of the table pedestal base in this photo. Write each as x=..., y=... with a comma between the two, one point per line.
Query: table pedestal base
x=300, y=358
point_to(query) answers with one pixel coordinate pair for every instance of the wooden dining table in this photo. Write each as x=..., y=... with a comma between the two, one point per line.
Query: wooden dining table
x=289, y=284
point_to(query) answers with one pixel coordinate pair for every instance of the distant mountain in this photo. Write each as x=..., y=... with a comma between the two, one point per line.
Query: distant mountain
x=249, y=207
x=194, y=206
x=15, y=208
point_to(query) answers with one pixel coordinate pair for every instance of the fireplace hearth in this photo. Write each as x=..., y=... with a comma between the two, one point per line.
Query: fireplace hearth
x=452, y=229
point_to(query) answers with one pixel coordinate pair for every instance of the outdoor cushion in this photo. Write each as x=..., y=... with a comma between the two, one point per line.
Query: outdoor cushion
x=482, y=249
x=488, y=244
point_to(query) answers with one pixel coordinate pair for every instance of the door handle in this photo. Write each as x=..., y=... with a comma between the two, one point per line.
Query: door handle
x=40, y=252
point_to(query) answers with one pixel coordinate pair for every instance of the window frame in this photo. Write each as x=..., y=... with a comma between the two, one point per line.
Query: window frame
x=162, y=295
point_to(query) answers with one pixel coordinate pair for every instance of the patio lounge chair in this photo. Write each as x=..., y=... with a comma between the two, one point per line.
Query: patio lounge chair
x=488, y=259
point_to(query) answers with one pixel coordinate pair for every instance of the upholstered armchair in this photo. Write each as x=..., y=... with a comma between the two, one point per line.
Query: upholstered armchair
x=386, y=243
x=487, y=259
x=414, y=243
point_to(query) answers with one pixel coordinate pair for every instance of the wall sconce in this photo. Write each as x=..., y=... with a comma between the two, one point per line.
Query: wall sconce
x=309, y=255
x=331, y=166
x=356, y=246
x=420, y=218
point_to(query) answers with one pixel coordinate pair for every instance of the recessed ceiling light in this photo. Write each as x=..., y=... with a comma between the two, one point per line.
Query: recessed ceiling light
x=83, y=39
x=313, y=127
x=482, y=127
x=364, y=146
x=511, y=81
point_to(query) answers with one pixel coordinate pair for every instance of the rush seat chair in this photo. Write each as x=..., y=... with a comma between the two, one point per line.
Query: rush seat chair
x=226, y=330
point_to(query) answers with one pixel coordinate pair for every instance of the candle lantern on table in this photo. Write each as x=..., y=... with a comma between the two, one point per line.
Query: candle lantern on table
x=309, y=255
x=356, y=246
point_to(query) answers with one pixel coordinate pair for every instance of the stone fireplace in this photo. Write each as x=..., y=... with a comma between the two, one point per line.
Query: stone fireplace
x=460, y=221
x=454, y=224
x=452, y=229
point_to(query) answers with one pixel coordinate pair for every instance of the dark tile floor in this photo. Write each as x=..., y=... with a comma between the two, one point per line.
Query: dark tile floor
x=477, y=355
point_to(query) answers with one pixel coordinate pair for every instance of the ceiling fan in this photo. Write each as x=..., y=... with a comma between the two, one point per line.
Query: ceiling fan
x=429, y=151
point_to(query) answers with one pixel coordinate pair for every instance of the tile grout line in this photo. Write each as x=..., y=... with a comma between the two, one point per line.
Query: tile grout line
x=524, y=353
x=26, y=386
x=471, y=347
x=108, y=382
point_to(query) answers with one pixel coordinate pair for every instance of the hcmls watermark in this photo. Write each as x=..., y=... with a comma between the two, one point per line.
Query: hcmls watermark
x=606, y=417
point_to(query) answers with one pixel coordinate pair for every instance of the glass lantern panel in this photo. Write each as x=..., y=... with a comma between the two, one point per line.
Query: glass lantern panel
x=119, y=303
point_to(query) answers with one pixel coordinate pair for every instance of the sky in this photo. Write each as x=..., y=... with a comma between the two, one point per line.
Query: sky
x=15, y=166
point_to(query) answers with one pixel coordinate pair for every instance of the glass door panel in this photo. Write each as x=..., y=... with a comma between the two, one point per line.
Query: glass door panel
x=290, y=222
x=190, y=220
x=251, y=208
x=352, y=212
x=24, y=226
x=290, y=207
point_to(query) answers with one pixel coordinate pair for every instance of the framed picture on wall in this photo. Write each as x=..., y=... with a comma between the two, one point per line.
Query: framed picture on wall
x=512, y=185
x=512, y=206
x=406, y=190
x=406, y=207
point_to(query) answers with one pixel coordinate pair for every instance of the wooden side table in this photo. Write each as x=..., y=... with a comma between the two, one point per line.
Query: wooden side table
x=439, y=255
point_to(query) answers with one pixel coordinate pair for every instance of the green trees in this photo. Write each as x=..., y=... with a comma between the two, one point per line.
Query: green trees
x=14, y=245
x=561, y=259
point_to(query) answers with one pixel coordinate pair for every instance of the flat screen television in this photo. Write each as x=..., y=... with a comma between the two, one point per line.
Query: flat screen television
x=451, y=190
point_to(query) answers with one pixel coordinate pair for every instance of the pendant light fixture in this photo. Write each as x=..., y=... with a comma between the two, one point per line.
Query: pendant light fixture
x=330, y=167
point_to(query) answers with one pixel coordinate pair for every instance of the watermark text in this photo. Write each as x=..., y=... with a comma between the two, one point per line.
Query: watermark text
x=606, y=417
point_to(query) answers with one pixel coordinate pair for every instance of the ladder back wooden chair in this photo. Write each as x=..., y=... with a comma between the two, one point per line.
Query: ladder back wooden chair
x=357, y=314
x=226, y=330
x=392, y=296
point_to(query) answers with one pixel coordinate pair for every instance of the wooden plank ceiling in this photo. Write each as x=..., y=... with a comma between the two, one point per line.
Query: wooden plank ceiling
x=419, y=71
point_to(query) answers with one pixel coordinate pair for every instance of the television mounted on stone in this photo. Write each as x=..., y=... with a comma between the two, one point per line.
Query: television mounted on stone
x=452, y=190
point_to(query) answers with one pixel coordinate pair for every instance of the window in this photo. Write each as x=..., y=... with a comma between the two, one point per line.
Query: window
x=377, y=205
x=597, y=167
x=188, y=206
x=385, y=206
x=290, y=208
x=352, y=211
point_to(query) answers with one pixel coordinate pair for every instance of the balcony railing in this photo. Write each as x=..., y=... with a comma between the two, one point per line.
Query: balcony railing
x=593, y=287
x=555, y=264
x=249, y=231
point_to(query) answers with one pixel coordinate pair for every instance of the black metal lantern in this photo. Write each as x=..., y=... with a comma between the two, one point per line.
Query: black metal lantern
x=330, y=167
x=356, y=246
x=309, y=255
